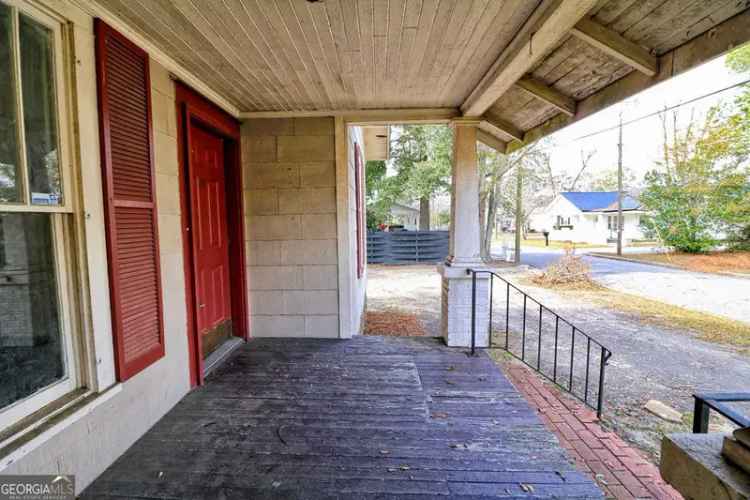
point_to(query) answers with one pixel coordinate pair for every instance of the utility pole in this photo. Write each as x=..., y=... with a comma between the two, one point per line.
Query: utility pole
x=519, y=213
x=619, y=190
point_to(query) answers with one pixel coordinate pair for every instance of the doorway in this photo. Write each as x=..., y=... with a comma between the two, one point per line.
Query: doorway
x=214, y=258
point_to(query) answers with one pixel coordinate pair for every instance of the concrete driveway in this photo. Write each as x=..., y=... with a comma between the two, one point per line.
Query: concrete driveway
x=726, y=296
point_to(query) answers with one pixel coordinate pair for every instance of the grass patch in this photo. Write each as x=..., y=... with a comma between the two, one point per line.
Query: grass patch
x=393, y=323
x=706, y=326
x=711, y=262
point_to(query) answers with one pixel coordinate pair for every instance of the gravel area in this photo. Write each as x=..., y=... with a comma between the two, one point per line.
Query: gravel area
x=648, y=362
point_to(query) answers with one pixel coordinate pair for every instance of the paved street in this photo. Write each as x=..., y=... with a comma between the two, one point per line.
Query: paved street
x=722, y=295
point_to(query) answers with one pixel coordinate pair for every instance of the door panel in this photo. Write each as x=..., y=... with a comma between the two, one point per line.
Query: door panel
x=210, y=240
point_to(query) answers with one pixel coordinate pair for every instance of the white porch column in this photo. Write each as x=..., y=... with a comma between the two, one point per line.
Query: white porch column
x=464, y=249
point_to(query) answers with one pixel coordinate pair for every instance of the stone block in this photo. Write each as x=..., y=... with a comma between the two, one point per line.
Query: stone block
x=160, y=79
x=263, y=253
x=271, y=175
x=318, y=227
x=313, y=126
x=260, y=148
x=309, y=252
x=318, y=174
x=261, y=202
x=320, y=277
x=274, y=278
x=165, y=154
x=267, y=302
x=273, y=227
x=307, y=201
x=326, y=327
x=268, y=126
x=164, y=114
x=168, y=194
x=305, y=148
x=277, y=326
x=310, y=302
x=170, y=233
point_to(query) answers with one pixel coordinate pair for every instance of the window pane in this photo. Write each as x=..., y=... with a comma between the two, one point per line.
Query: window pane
x=31, y=349
x=39, y=111
x=9, y=164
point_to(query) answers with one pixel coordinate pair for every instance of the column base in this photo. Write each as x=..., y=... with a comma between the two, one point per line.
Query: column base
x=455, y=318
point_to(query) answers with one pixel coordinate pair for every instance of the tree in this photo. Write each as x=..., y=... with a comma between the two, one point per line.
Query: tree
x=702, y=186
x=422, y=159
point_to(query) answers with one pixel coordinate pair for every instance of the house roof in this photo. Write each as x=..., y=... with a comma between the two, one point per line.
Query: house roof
x=405, y=207
x=599, y=201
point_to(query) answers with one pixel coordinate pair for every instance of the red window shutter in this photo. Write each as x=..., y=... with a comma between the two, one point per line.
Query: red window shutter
x=359, y=195
x=124, y=91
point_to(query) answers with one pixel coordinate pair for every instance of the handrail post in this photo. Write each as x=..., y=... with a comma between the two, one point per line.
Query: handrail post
x=700, y=416
x=602, y=365
x=473, y=310
x=507, y=314
x=492, y=289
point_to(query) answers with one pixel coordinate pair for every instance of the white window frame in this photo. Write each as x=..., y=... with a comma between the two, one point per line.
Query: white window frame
x=64, y=233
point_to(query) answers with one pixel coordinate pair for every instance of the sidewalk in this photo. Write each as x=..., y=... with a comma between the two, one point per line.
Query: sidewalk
x=618, y=468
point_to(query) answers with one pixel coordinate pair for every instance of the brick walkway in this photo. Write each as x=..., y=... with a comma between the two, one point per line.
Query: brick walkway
x=618, y=468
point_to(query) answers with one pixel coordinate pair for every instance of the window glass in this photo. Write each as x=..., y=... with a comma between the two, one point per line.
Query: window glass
x=9, y=165
x=39, y=116
x=31, y=350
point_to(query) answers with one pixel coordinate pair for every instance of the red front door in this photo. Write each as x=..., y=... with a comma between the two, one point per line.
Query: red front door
x=210, y=239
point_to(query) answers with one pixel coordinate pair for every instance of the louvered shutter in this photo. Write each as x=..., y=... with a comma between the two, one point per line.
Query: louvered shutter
x=124, y=92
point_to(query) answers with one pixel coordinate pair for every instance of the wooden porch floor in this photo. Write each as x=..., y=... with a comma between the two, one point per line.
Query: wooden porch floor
x=372, y=417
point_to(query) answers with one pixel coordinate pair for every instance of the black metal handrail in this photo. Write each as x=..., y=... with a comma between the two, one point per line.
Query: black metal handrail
x=576, y=333
x=717, y=401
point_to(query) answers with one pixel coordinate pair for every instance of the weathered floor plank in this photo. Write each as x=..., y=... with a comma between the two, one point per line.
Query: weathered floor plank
x=371, y=417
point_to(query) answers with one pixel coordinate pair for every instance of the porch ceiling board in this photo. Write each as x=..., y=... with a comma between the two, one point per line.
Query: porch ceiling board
x=295, y=55
x=337, y=57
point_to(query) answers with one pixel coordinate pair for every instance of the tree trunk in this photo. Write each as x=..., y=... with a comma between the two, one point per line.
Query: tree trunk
x=424, y=214
x=483, y=221
x=490, y=224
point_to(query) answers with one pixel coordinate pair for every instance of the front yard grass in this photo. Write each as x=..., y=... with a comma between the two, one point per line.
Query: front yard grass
x=707, y=326
x=712, y=262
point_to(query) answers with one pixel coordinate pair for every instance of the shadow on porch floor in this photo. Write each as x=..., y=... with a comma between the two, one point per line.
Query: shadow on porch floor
x=371, y=417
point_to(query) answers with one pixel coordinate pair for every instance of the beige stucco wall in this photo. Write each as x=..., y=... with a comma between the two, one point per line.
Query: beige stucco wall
x=289, y=175
x=358, y=285
x=88, y=441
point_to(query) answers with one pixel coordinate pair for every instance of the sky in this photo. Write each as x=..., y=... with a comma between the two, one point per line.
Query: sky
x=642, y=141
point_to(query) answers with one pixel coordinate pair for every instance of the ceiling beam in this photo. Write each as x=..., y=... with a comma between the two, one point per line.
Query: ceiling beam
x=501, y=128
x=367, y=116
x=617, y=46
x=547, y=26
x=545, y=93
x=490, y=140
x=711, y=44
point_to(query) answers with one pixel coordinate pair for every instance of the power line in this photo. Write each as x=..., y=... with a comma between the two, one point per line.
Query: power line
x=649, y=115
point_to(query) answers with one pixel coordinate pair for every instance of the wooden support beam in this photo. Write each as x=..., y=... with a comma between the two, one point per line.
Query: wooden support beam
x=616, y=46
x=549, y=95
x=490, y=140
x=367, y=116
x=501, y=128
x=713, y=43
x=550, y=23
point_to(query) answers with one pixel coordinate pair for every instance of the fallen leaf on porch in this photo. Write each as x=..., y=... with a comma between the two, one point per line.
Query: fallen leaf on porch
x=449, y=382
x=393, y=323
x=451, y=368
x=161, y=474
x=384, y=452
x=439, y=415
x=404, y=467
x=276, y=484
x=527, y=488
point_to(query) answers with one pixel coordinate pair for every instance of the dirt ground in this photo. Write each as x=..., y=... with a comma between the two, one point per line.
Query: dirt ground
x=649, y=361
x=714, y=262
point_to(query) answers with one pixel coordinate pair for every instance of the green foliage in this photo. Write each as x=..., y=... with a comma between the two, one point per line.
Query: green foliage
x=421, y=157
x=739, y=59
x=702, y=189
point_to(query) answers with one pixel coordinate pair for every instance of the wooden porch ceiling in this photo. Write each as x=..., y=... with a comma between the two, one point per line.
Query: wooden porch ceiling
x=527, y=67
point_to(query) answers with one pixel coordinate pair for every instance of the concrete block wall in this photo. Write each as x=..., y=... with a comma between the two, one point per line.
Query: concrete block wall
x=289, y=174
